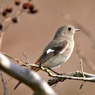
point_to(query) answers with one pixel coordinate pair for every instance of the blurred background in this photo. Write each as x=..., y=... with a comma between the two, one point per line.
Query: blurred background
x=33, y=32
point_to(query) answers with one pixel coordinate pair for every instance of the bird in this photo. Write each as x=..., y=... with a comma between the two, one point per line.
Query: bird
x=58, y=50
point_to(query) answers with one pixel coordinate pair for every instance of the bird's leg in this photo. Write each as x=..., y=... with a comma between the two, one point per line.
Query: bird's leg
x=55, y=71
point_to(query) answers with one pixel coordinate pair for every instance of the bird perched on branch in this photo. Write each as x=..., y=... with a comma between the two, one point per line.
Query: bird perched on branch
x=59, y=49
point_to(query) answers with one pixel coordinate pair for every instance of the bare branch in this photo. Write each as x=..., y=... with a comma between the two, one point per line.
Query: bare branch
x=78, y=75
x=73, y=76
x=28, y=77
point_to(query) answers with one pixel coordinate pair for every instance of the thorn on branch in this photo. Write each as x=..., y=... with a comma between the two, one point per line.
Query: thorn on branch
x=81, y=86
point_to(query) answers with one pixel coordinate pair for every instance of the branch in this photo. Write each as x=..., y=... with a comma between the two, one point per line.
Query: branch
x=82, y=76
x=28, y=77
x=78, y=75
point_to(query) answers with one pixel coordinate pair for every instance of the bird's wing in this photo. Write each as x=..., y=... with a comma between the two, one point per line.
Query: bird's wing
x=51, y=50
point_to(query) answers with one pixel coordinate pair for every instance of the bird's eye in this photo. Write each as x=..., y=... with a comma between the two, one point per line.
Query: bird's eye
x=69, y=28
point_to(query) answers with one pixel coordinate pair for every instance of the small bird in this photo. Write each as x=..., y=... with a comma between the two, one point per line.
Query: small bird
x=59, y=50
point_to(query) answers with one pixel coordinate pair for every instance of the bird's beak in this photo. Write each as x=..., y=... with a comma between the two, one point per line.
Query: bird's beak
x=77, y=30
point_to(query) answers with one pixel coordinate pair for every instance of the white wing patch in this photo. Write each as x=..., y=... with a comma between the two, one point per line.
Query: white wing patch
x=49, y=50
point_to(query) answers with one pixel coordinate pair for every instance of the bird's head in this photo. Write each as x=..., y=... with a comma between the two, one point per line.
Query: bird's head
x=65, y=31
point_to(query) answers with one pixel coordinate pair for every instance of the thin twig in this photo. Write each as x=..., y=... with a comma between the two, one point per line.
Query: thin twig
x=27, y=60
x=23, y=63
x=8, y=80
x=15, y=59
x=3, y=82
x=81, y=65
x=9, y=19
